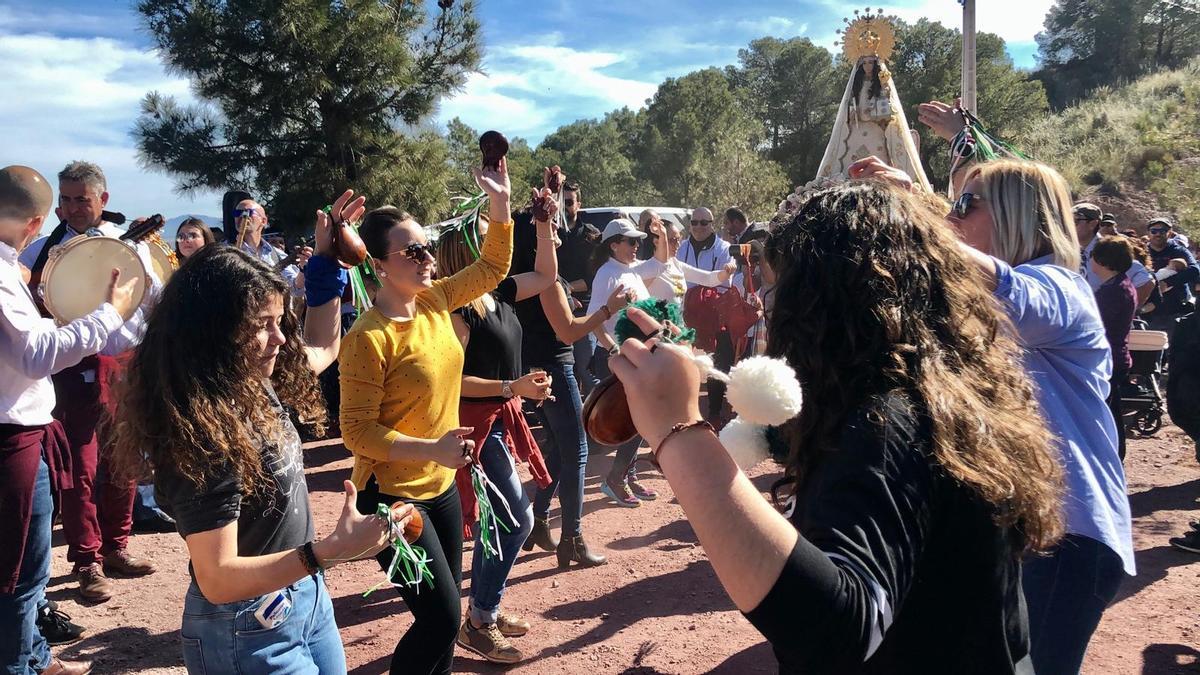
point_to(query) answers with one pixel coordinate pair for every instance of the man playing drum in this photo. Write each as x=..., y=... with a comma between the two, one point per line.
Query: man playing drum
x=97, y=515
x=32, y=456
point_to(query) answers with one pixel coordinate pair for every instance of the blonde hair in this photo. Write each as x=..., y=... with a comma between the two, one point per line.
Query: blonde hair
x=1031, y=208
x=454, y=255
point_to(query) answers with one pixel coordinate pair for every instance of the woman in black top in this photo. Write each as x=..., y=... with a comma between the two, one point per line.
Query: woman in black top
x=205, y=405
x=918, y=469
x=493, y=387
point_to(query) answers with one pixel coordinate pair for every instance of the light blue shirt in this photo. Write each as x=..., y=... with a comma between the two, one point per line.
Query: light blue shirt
x=1068, y=358
x=273, y=256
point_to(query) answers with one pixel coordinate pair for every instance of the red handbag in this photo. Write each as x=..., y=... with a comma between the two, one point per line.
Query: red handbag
x=712, y=310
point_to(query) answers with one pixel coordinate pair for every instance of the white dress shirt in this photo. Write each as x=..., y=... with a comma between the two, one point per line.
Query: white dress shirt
x=130, y=333
x=273, y=256
x=32, y=347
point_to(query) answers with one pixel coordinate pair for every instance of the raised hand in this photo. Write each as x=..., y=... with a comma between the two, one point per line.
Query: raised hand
x=494, y=182
x=873, y=167
x=618, y=299
x=944, y=120
x=345, y=209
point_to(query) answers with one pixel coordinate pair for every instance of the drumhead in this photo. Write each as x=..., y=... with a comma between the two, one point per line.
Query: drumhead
x=75, y=281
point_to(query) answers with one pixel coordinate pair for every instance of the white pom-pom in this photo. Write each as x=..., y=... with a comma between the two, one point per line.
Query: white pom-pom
x=746, y=443
x=763, y=390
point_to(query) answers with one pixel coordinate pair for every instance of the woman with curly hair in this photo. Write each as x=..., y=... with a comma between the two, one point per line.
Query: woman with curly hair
x=205, y=405
x=917, y=471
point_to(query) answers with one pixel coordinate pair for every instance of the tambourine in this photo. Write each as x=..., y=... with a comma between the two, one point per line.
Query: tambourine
x=77, y=275
x=606, y=415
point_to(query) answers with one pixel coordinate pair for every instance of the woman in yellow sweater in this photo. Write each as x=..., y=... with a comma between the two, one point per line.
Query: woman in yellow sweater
x=401, y=375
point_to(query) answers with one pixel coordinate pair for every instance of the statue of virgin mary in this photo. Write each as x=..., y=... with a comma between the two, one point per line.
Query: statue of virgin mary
x=870, y=119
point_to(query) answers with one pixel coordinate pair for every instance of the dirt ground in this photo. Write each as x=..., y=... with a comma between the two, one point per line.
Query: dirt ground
x=657, y=606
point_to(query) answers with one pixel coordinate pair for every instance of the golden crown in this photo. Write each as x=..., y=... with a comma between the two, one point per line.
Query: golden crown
x=869, y=34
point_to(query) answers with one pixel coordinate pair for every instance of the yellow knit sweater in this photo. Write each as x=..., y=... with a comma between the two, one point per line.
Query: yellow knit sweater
x=405, y=377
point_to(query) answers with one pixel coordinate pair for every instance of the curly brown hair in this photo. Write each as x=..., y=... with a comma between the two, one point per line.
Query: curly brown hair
x=192, y=400
x=875, y=297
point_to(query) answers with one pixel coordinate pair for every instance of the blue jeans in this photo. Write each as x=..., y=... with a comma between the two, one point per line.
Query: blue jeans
x=23, y=650
x=1067, y=593
x=227, y=638
x=583, y=349
x=626, y=453
x=566, y=449
x=488, y=575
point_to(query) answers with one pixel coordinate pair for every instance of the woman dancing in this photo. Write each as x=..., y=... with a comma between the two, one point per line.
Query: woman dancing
x=493, y=388
x=918, y=469
x=206, y=406
x=401, y=377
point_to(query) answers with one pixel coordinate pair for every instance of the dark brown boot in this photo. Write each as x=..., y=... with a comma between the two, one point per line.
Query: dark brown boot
x=540, y=536
x=576, y=550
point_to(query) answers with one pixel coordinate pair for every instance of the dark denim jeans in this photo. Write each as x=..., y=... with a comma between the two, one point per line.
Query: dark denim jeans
x=566, y=448
x=23, y=650
x=489, y=575
x=584, y=374
x=1067, y=593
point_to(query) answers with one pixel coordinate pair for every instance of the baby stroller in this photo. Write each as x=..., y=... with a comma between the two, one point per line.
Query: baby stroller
x=1141, y=396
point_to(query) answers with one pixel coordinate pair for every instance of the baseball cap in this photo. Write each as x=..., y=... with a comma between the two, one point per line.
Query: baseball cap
x=1109, y=218
x=622, y=226
x=1087, y=211
x=1160, y=221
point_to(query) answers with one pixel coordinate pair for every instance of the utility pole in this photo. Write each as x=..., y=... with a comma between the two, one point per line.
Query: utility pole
x=969, y=98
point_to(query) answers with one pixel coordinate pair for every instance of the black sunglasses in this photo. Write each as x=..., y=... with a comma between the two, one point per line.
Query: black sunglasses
x=962, y=205
x=699, y=223
x=416, y=252
x=1158, y=230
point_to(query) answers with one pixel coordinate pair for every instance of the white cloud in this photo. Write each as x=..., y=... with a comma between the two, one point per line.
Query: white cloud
x=1013, y=20
x=529, y=89
x=77, y=98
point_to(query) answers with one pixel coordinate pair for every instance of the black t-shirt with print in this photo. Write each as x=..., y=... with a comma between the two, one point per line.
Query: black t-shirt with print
x=277, y=520
x=494, y=349
x=899, y=567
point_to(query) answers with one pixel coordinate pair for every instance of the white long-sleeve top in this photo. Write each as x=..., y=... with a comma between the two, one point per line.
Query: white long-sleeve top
x=32, y=347
x=676, y=277
x=615, y=273
x=129, y=334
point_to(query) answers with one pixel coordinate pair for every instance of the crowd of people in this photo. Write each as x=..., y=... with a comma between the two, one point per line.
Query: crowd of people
x=952, y=498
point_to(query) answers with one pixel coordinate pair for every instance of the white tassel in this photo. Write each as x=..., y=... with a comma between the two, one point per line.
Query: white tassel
x=764, y=391
x=746, y=443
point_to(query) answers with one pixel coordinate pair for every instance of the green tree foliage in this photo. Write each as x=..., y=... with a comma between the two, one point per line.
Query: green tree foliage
x=693, y=125
x=927, y=66
x=792, y=89
x=598, y=155
x=301, y=98
x=1090, y=43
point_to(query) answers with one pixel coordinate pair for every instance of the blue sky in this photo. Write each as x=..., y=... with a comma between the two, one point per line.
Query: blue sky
x=74, y=71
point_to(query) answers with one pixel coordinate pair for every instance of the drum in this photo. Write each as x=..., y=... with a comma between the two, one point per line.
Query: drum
x=77, y=274
x=162, y=257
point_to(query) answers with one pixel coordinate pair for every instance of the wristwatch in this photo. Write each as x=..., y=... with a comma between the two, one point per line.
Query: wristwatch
x=506, y=389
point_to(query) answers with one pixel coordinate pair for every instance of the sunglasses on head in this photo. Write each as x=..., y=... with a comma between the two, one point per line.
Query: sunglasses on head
x=1158, y=230
x=962, y=205
x=416, y=252
x=702, y=223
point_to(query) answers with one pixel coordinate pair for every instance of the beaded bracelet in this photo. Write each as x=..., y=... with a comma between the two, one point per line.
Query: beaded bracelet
x=680, y=427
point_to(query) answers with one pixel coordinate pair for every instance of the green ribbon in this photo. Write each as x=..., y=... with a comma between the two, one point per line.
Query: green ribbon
x=489, y=523
x=410, y=564
x=659, y=310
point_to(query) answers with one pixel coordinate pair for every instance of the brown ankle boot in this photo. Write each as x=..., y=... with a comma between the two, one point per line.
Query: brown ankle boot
x=540, y=536
x=576, y=550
